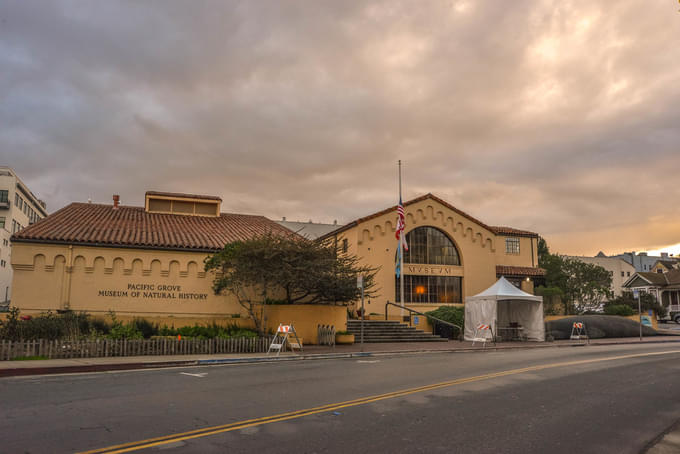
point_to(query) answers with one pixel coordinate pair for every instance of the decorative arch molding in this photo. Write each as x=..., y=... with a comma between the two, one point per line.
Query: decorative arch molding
x=49, y=261
x=430, y=214
x=78, y=264
x=137, y=267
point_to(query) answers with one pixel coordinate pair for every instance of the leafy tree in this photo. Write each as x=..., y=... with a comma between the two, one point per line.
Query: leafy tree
x=289, y=268
x=555, y=278
x=587, y=286
x=580, y=286
x=542, y=250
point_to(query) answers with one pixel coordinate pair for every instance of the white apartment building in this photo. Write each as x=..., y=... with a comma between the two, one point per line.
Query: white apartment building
x=19, y=208
x=620, y=269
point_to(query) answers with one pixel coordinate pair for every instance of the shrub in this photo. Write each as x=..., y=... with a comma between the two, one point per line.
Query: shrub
x=120, y=330
x=145, y=327
x=9, y=328
x=451, y=314
x=647, y=302
x=72, y=325
x=124, y=331
x=208, y=331
x=618, y=309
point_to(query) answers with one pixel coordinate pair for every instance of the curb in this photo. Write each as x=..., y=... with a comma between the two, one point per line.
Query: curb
x=26, y=371
x=23, y=371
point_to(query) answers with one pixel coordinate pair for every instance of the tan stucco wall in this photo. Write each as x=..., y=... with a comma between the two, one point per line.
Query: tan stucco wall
x=133, y=281
x=305, y=318
x=53, y=277
x=480, y=250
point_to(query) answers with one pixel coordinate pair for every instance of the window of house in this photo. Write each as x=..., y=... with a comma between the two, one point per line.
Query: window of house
x=2, y=263
x=659, y=271
x=512, y=245
x=623, y=274
x=627, y=273
x=427, y=245
x=345, y=245
x=2, y=222
x=16, y=199
x=430, y=289
x=4, y=193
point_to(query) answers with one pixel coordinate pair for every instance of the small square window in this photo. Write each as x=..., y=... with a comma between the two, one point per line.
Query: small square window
x=512, y=245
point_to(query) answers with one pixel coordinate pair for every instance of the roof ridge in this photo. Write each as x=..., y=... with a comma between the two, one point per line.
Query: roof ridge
x=420, y=198
x=87, y=223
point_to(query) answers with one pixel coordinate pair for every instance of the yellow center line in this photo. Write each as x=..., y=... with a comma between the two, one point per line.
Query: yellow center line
x=207, y=431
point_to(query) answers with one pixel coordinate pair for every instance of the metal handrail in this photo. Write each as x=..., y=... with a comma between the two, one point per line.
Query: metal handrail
x=420, y=313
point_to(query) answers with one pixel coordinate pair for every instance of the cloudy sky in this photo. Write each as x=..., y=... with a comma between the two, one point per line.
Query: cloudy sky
x=561, y=117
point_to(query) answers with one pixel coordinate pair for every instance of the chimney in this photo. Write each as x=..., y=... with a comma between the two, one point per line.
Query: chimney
x=116, y=201
x=284, y=218
x=335, y=222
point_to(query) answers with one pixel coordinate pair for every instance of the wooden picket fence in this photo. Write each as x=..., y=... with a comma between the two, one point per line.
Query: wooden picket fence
x=53, y=349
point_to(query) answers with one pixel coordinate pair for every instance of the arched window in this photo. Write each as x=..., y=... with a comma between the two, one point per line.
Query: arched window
x=430, y=246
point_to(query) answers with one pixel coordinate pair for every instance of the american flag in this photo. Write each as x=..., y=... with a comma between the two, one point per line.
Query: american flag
x=401, y=223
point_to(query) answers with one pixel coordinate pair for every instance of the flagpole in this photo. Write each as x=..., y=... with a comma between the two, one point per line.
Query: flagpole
x=401, y=255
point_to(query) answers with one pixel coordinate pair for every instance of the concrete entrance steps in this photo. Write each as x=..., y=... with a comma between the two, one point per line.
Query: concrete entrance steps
x=389, y=331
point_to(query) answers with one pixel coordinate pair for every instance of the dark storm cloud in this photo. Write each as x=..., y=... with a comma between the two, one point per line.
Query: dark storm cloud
x=555, y=116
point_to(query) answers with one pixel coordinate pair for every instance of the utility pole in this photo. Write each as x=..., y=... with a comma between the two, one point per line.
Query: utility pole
x=401, y=255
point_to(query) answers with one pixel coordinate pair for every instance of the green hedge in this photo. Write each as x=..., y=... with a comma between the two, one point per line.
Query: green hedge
x=619, y=309
x=451, y=314
x=72, y=325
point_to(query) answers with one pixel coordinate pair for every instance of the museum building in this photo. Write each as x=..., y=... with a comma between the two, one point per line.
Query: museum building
x=136, y=261
x=450, y=254
x=148, y=261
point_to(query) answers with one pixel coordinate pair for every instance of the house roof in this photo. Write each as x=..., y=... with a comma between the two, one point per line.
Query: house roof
x=658, y=279
x=126, y=226
x=184, y=196
x=505, y=270
x=309, y=230
x=497, y=230
x=669, y=264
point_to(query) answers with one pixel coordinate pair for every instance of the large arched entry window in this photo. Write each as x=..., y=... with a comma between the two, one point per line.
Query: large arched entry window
x=430, y=246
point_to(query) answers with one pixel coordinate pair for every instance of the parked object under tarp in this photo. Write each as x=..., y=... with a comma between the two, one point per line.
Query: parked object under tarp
x=507, y=309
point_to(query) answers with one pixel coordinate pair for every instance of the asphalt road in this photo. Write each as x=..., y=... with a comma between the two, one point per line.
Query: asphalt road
x=608, y=399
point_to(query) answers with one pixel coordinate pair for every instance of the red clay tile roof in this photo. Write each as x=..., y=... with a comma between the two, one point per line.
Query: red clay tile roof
x=505, y=270
x=93, y=224
x=509, y=231
x=497, y=230
x=188, y=196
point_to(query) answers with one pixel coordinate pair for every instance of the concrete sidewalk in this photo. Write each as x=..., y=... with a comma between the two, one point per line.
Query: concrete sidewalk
x=311, y=352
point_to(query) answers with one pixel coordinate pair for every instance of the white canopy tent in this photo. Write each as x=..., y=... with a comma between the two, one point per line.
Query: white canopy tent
x=503, y=305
